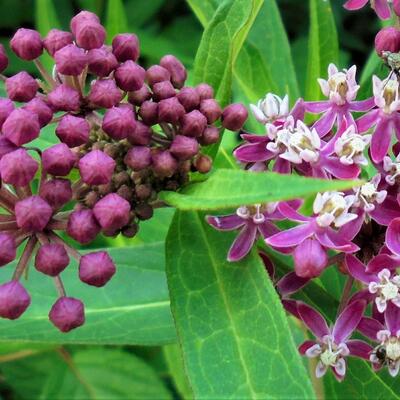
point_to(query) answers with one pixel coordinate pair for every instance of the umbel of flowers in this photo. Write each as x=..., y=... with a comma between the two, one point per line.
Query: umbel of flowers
x=124, y=134
x=357, y=231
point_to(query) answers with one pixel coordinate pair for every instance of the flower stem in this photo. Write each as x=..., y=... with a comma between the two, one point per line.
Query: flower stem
x=59, y=286
x=26, y=256
x=56, y=239
x=46, y=76
x=8, y=226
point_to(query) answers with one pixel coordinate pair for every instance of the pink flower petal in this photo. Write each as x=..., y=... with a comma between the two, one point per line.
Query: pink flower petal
x=381, y=261
x=267, y=229
x=325, y=123
x=363, y=105
x=225, y=222
x=348, y=320
x=366, y=121
x=290, y=213
x=349, y=231
x=291, y=307
x=355, y=4
x=291, y=237
x=380, y=142
x=357, y=270
x=305, y=346
x=291, y=283
x=333, y=240
x=393, y=236
x=369, y=327
x=385, y=212
x=359, y=348
x=392, y=318
x=313, y=319
x=253, y=152
x=317, y=107
x=269, y=265
x=339, y=170
x=382, y=9
x=243, y=242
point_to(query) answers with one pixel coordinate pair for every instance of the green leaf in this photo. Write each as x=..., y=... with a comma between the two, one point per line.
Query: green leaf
x=204, y=10
x=234, y=335
x=322, y=46
x=116, y=21
x=133, y=308
x=232, y=188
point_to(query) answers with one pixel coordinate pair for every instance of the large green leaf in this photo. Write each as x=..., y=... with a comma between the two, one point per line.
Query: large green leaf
x=234, y=335
x=133, y=308
x=116, y=21
x=232, y=188
x=322, y=46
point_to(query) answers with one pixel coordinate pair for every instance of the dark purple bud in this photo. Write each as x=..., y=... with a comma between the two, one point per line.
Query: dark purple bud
x=27, y=44
x=57, y=192
x=58, y=160
x=310, y=259
x=170, y=110
x=41, y=109
x=148, y=111
x=211, y=109
x=70, y=60
x=3, y=58
x=163, y=90
x=51, y=259
x=8, y=248
x=96, y=268
x=90, y=35
x=101, y=62
x=56, y=40
x=14, y=300
x=157, y=73
x=73, y=131
x=193, y=124
x=119, y=122
x=64, y=98
x=33, y=213
x=6, y=146
x=141, y=134
x=67, y=313
x=96, y=168
x=6, y=108
x=176, y=69
x=112, y=212
x=210, y=136
x=387, y=39
x=205, y=91
x=137, y=97
x=184, y=148
x=138, y=158
x=189, y=98
x=234, y=116
x=105, y=94
x=21, y=87
x=126, y=47
x=18, y=168
x=203, y=163
x=21, y=126
x=83, y=226
x=164, y=164
x=129, y=76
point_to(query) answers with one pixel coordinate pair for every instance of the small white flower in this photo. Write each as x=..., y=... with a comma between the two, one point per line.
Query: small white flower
x=271, y=108
x=387, y=289
x=393, y=169
x=368, y=194
x=391, y=345
x=386, y=94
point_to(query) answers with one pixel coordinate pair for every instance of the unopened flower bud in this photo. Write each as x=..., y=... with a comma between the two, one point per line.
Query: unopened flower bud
x=164, y=164
x=209, y=136
x=73, y=131
x=101, y=62
x=138, y=158
x=189, y=98
x=14, y=300
x=64, y=98
x=56, y=40
x=21, y=87
x=148, y=111
x=3, y=58
x=41, y=109
x=51, y=259
x=27, y=44
x=130, y=76
x=96, y=168
x=6, y=146
x=143, y=191
x=163, y=90
x=184, y=148
x=176, y=69
x=210, y=109
x=193, y=124
x=310, y=259
x=90, y=35
x=141, y=135
x=205, y=91
x=203, y=163
x=119, y=122
x=82, y=18
x=21, y=126
x=6, y=108
x=67, y=313
x=234, y=116
x=18, y=168
x=83, y=226
x=33, y=213
x=57, y=192
x=58, y=160
x=96, y=268
x=70, y=60
x=144, y=211
x=157, y=73
x=126, y=47
x=387, y=39
x=105, y=94
x=170, y=110
x=112, y=212
x=8, y=248
x=137, y=97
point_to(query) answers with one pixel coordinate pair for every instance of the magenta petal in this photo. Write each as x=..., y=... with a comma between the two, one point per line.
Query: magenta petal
x=225, y=222
x=317, y=107
x=381, y=137
x=393, y=236
x=385, y=212
x=313, y=319
x=363, y=105
x=355, y=4
x=291, y=307
x=381, y=261
x=359, y=348
x=366, y=121
x=281, y=166
x=339, y=170
x=333, y=240
x=290, y=213
x=348, y=320
x=267, y=229
x=243, y=242
x=298, y=110
x=382, y=9
x=305, y=346
x=369, y=327
x=253, y=152
x=291, y=283
x=357, y=269
x=253, y=138
x=291, y=237
x=349, y=231
x=269, y=266
x=325, y=123
x=392, y=318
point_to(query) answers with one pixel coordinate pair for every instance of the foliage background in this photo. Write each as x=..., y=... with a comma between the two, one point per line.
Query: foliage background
x=35, y=361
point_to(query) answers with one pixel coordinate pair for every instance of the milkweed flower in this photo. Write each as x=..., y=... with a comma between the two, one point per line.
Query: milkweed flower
x=381, y=7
